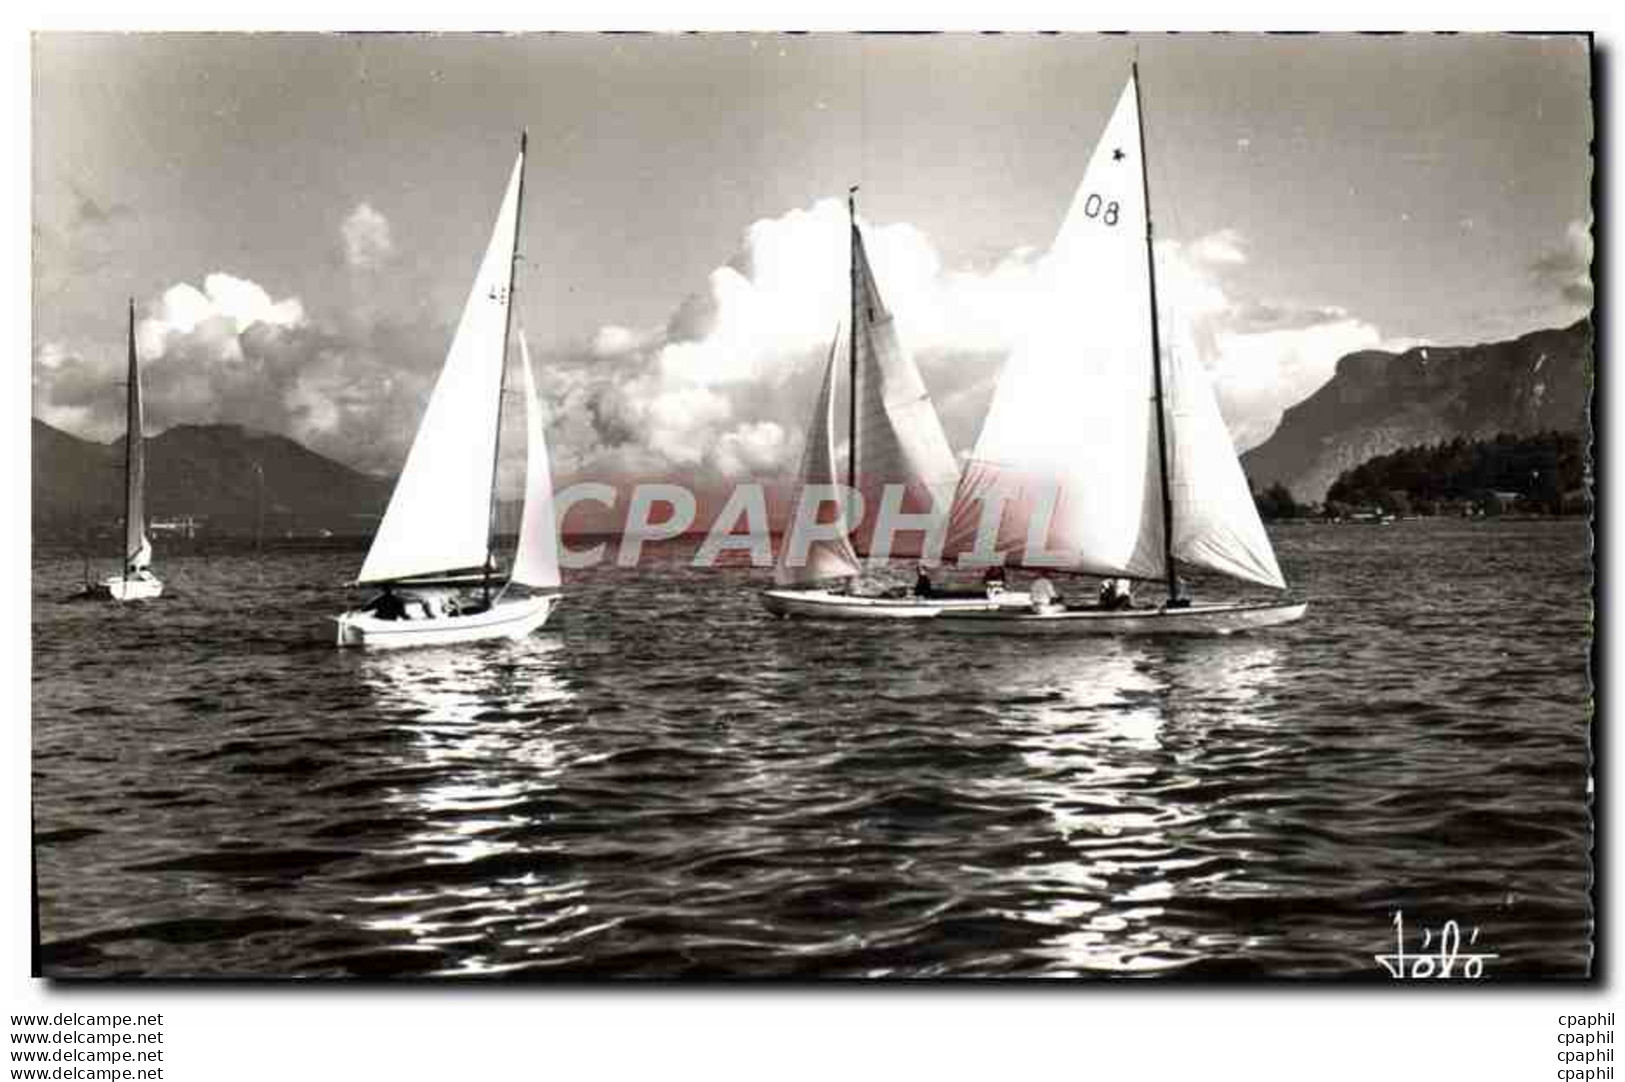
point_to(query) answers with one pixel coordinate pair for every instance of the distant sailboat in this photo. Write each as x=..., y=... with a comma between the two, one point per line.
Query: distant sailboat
x=135, y=582
x=1122, y=451
x=434, y=553
x=895, y=440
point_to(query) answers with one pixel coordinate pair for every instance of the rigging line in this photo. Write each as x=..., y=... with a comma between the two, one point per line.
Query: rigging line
x=130, y=423
x=502, y=381
x=863, y=107
x=852, y=344
x=1168, y=201
x=1169, y=567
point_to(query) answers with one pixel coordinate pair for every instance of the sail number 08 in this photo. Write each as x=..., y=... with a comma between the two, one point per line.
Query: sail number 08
x=1095, y=205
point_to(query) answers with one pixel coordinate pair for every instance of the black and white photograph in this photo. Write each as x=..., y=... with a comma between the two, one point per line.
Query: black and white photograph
x=812, y=509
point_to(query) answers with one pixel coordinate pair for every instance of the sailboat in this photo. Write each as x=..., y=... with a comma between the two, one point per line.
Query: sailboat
x=895, y=442
x=1095, y=443
x=433, y=557
x=135, y=582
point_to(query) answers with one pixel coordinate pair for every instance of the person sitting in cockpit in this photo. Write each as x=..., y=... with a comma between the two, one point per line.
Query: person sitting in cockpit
x=387, y=606
x=1116, y=594
x=1043, y=595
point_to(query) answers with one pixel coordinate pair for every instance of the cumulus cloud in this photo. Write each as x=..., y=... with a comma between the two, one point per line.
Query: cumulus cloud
x=1263, y=355
x=751, y=448
x=725, y=386
x=64, y=390
x=721, y=392
x=234, y=304
x=1264, y=316
x=229, y=353
x=724, y=389
x=203, y=354
x=1224, y=246
x=1566, y=268
x=367, y=242
x=1258, y=374
x=614, y=341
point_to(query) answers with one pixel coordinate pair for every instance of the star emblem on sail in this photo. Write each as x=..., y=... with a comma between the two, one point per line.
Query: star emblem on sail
x=1066, y=472
x=897, y=452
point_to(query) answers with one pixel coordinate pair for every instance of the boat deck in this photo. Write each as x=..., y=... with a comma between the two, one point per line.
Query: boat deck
x=1222, y=618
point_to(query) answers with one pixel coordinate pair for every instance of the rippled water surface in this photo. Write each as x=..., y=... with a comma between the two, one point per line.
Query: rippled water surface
x=668, y=783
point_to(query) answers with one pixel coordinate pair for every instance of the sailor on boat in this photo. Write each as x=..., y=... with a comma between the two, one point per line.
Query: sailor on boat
x=1045, y=598
x=1178, y=597
x=386, y=606
x=993, y=581
x=1129, y=437
x=438, y=534
x=896, y=447
x=1116, y=594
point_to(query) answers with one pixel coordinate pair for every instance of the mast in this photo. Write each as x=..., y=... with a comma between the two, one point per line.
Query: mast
x=132, y=422
x=502, y=382
x=259, y=523
x=1156, y=352
x=852, y=346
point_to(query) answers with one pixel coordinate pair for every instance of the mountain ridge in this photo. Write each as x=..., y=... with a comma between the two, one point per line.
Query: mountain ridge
x=1378, y=402
x=212, y=472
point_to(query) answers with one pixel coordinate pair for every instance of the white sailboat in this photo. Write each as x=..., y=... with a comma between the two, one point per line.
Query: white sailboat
x=433, y=556
x=135, y=582
x=895, y=441
x=1121, y=450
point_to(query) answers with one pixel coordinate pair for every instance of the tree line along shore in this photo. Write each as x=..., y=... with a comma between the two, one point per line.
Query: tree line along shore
x=1542, y=475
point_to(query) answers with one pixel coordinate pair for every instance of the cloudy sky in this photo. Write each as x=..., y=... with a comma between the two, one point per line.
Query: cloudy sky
x=299, y=217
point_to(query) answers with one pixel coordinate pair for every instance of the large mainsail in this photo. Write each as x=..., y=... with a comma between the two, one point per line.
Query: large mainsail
x=899, y=438
x=137, y=549
x=1071, y=423
x=536, y=560
x=825, y=559
x=439, y=516
x=1071, y=436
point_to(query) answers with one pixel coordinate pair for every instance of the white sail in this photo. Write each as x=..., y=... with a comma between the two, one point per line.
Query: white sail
x=536, y=560
x=137, y=549
x=1216, y=522
x=899, y=438
x=1072, y=421
x=826, y=559
x=439, y=516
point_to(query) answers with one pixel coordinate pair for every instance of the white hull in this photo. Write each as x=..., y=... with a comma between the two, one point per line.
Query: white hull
x=1219, y=619
x=511, y=618
x=833, y=606
x=120, y=588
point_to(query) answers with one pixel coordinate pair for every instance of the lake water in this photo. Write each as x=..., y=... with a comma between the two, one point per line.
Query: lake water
x=668, y=783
